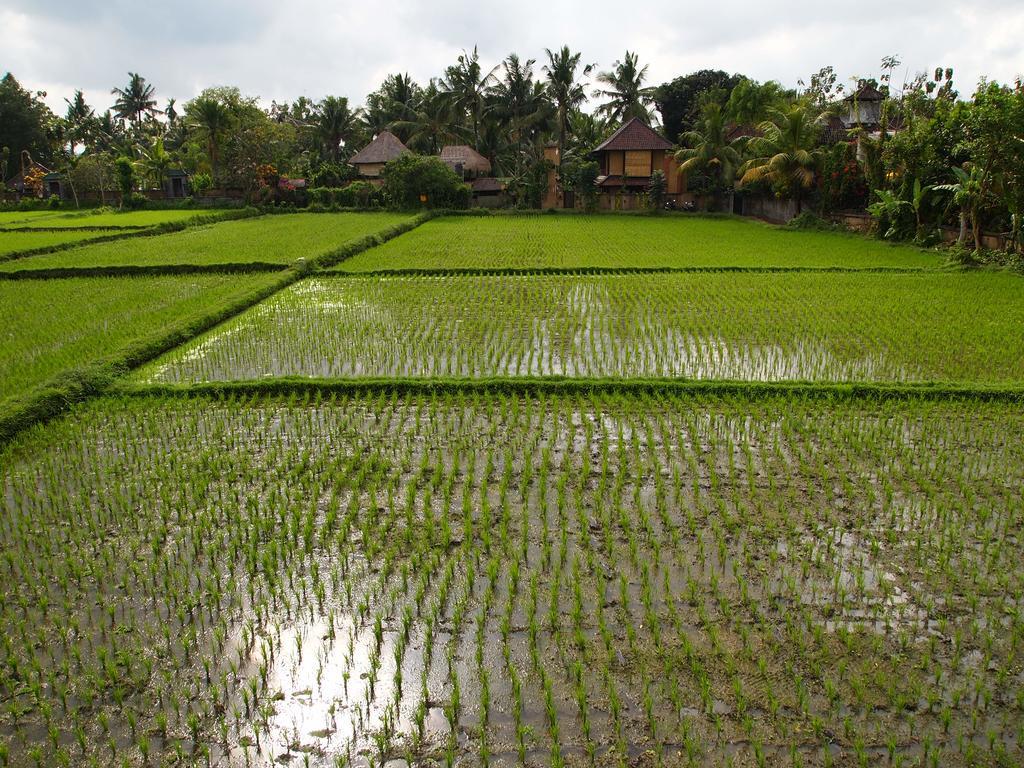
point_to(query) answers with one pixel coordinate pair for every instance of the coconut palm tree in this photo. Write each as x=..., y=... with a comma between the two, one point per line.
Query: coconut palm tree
x=519, y=106
x=397, y=99
x=81, y=120
x=135, y=100
x=708, y=148
x=787, y=153
x=625, y=92
x=433, y=123
x=565, y=91
x=467, y=87
x=335, y=124
x=213, y=118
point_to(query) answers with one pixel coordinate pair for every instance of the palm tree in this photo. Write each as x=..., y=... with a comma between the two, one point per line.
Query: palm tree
x=787, y=153
x=135, y=100
x=467, y=87
x=211, y=117
x=626, y=94
x=81, y=119
x=397, y=99
x=566, y=92
x=707, y=147
x=519, y=105
x=335, y=124
x=156, y=161
x=432, y=124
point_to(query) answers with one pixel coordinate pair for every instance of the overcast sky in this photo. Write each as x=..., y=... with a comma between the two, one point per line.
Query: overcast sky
x=281, y=49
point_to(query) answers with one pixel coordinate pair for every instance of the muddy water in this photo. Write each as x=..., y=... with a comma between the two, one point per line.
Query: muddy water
x=603, y=580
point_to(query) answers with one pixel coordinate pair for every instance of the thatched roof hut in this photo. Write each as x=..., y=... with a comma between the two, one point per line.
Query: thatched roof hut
x=370, y=160
x=465, y=160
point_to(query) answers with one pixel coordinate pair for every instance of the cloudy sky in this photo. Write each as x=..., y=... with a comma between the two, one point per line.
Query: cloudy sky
x=281, y=49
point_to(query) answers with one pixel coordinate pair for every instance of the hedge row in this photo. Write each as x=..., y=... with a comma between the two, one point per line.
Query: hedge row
x=533, y=385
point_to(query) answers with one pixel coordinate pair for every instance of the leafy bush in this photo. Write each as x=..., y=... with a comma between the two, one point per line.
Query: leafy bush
x=201, y=182
x=808, y=220
x=411, y=182
x=358, y=194
x=53, y=201
x=333, y=175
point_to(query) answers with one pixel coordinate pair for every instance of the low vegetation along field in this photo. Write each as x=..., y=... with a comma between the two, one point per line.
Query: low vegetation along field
x=774, y=327
x=354, y=525
x=575, y=242
x=276, y=240
x=48, y=327
x=28, y=231
x=105, y=218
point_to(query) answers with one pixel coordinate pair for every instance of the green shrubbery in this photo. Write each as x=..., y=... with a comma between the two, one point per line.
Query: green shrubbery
x=358, y=194
x=413, y=182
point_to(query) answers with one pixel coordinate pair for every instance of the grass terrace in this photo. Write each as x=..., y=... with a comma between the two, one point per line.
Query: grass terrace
x=106, y=218
x=17, y=241
x=51, y=327
x=608, y=241
x=833, y=327
x=265, y=240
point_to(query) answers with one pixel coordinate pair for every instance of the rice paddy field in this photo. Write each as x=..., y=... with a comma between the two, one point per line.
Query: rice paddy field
x=50, y=327
x=611, y=519
x=274, y=240
x=13, y=242
x=624, y=242
x=756, y=327
x=105, y=218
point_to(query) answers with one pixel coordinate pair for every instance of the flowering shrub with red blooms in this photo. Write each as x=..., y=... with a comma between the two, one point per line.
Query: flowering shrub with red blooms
x=843, y=184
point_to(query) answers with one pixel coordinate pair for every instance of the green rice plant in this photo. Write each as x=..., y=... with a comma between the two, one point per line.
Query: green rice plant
x=266, y=240
x=746, y=327
x=580, y=242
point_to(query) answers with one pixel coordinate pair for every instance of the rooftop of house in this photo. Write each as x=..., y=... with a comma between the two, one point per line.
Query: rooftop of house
x=384, y=148
x=634, y=135
x=467, y=157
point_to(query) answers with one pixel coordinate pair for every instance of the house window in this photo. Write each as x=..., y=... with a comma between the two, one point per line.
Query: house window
x=638, y=163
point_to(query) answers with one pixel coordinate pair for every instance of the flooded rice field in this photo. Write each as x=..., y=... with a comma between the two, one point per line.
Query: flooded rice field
x=469, y=580
x=830, y=327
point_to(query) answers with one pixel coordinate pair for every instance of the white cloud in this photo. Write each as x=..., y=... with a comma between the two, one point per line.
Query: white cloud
x=306, y=47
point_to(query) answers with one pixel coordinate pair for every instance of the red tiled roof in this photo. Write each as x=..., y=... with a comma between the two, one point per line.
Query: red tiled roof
x=634, y=135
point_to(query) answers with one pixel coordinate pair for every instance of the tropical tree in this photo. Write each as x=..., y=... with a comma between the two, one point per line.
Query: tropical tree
x=335, y=125
x=786, y=154
x=519, y=105
x=212, y=118
x=136, y=100
x=432, y=123
x=625, y=92
x=396, y=100
x=968, y=194
x=155, y=162
x=564, y=89
x=466, y=87
x=81, y=120
x=707, y=147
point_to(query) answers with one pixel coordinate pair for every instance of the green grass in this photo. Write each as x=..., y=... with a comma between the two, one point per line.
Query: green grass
x=106, y=218
x=962, y=328
x=699, y=577
x=573, y=242
x=279, y=239
x=15, y=242
x=50, y=327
